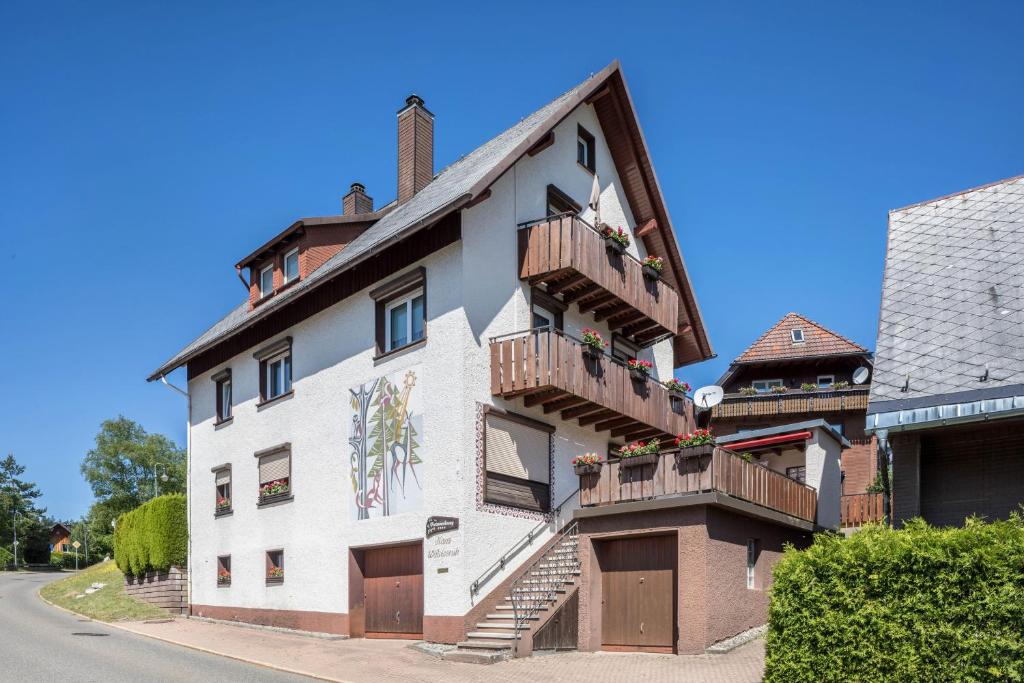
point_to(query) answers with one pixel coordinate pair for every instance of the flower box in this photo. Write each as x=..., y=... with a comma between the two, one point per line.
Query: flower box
x=640, y=460
x=614, y=246
x=274, y=580
x=638, y=375
x=693, y=451
x=587, y=468
x=223, y=580
x=592, y=351
x=639, y=369
x=651, y=273
x=273, y=497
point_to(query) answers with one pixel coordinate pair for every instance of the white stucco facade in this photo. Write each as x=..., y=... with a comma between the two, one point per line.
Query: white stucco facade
x=473, y=294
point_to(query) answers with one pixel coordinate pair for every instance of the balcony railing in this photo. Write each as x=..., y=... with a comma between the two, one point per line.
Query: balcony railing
x=860, y=508
x=551, y=369
x=570, y=257
x=720, y=470
x=793, y=403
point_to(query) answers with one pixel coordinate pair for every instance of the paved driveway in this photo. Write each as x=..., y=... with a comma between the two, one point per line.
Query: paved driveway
x=43, y=643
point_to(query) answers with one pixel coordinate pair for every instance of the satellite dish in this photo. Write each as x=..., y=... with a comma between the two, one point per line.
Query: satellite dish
x=707, y=397
x=860, y=375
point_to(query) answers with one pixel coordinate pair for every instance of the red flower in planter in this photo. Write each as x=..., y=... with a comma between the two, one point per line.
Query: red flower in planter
x=698, y=437
x=586, y=459
x=620, y=236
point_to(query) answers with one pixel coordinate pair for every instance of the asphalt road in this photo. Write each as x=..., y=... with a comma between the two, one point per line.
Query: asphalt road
x=43, y=643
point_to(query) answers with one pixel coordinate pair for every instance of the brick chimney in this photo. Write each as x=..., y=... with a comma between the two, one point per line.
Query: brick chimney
x=415, y=148
x=357, y=201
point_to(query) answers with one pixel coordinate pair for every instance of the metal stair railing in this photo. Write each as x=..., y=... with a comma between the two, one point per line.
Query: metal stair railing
x=528, y=598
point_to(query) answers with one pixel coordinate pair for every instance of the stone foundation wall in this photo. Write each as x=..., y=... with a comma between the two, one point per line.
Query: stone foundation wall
x=167, y=590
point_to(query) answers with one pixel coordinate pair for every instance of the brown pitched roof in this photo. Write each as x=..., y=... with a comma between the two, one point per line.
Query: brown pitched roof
x=777, y=343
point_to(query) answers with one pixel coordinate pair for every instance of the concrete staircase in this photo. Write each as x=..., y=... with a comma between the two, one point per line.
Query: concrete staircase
x=548, y=581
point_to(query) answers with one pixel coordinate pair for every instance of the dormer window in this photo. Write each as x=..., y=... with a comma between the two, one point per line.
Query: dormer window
x=267, y=280
x=797, y=335
x=291, y=265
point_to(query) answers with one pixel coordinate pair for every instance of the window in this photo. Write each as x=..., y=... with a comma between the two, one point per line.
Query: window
x=545, y=310
x=763, y=386
x=275, y=474
x=826, y=381
x=561, y=203
x=275, y=370
x=751, y=563
x=222, y=382
x=517, y=461
x=275, y=567
x=798, y=473
x=222, y=485
x=267, y=280
x=401, y=307
x=291, y=265
x=622, y=349
x=404, y=321
x=585, y=149
x=224, y=570
x=797, y=335
x=64, y=547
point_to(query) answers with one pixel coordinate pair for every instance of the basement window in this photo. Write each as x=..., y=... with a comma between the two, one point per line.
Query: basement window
x=275, y=567
x=585, y=149
x=517, y=461
x=797, y=336
x=291, y=265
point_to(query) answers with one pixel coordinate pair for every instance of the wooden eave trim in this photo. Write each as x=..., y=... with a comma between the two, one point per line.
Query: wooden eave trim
x=542, y=144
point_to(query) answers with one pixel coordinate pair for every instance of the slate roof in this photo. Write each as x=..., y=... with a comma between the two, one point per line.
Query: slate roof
x=450, y=185
x=777, y=343
x=951, y=298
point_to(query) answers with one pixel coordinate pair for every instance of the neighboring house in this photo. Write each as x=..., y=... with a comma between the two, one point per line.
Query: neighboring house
x=381, y=432
x=795, y=371
x=948, y=390
x=60, y=539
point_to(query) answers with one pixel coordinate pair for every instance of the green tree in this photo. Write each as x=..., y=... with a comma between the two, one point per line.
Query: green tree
x=18, y=506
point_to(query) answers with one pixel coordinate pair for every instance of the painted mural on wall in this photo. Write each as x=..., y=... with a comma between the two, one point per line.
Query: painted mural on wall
x=385, y=450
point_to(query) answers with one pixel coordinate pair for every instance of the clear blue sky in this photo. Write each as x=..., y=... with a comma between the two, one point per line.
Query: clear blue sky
x=145, y=149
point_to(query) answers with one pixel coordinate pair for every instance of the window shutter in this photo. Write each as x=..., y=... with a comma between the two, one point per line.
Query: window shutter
x=223, y=477
x=516, y=450
x=274, y=467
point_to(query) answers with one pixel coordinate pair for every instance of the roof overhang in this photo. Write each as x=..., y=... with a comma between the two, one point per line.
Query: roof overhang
x=296, y=229
x=736, y=366
x=773, y=437
x=926, y=412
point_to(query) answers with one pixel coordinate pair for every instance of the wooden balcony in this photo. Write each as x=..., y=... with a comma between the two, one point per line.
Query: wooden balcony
x=719, y=471
x=551, y=369
x=860, y=508
x=792, y=403
x=570, y=257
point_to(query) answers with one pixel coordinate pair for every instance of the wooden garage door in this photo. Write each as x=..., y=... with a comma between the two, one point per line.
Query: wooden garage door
x=393, y=591
x=972, y=470
x=638, y=590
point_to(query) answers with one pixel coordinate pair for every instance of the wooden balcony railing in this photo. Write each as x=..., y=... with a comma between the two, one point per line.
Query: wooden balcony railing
x=551, y=369
x=860, y=508
x=792, y=403
x=720, y=470
x=570, y=257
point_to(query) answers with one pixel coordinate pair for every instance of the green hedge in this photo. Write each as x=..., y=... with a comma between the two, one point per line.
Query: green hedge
x=6, y=558
x=917, y=604
x=153, y=536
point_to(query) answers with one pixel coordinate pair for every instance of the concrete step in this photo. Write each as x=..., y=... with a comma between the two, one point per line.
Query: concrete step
x=485, y=644
x=509, y=608
x=508, y=615
x=466, y=656
x=508, y=625
x=491, y=635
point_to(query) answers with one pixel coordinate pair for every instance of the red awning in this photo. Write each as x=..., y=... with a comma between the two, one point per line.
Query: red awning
x=768, y=441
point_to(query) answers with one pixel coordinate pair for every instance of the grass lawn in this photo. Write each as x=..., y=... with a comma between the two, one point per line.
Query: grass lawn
x=110, y=603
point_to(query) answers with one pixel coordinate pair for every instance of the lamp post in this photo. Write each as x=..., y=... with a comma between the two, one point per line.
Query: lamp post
x=15, y=545
x=163, y=478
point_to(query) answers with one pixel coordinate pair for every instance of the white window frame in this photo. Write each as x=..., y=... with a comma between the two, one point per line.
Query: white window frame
x=583, y=145
x=829, y=381
x=798, y=332
x=539, y=311
x=751, y=563
x=224, y=387
x=286, y=379
x=405, y=301
x=266, y=292
x=766, y=385
x=284, y=265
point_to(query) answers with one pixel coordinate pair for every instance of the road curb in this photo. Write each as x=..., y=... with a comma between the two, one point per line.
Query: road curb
x=265, y=665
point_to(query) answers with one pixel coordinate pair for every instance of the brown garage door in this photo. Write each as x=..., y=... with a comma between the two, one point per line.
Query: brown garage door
x=972, y=470
x=638, y=593
x=393, y=591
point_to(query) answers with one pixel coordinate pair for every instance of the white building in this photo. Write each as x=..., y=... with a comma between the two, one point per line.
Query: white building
x=374, y=382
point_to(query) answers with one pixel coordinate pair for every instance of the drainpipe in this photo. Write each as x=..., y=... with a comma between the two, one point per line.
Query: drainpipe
x=883, y=460
x=188, y=479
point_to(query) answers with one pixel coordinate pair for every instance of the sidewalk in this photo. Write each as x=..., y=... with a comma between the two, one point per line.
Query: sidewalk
x=358, y=660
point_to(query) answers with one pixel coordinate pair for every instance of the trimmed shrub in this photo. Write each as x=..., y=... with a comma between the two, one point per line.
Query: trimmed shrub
x=916, y=604
x=153, y=536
